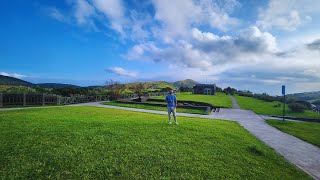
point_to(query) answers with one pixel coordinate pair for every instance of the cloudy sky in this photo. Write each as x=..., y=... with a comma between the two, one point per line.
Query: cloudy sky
x=246, y=44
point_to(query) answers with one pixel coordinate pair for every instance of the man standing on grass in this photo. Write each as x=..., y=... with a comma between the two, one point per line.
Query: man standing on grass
x=172, y=105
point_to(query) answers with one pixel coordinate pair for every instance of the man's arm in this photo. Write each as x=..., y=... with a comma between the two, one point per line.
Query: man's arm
x=166, y=100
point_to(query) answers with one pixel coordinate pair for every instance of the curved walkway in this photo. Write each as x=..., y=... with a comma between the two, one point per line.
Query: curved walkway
x=235, y=105
x=300, y=153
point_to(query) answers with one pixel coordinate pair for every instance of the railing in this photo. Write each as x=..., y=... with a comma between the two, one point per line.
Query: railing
x=45, y=99
x=27, y=99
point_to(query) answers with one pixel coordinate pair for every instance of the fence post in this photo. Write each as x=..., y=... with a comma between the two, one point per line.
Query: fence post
x=43, y=99
x=58, y=100
x=1, y=99
x=24, y=99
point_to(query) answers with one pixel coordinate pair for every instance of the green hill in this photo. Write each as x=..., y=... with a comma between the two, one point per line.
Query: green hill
x=185, y=83
x=56, y=85
x=153, y=85
x=11, y=81
x=306, y=96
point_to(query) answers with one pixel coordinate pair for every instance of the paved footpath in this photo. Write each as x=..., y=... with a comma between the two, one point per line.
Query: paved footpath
x=300, y=153
x=235, y=105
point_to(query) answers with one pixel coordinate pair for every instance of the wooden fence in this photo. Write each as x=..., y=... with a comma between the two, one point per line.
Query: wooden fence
x=45, y=99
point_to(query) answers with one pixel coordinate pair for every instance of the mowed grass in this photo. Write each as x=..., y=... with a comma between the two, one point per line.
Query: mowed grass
x=219, y=99
x=307, y=131
x=100, y=143
x=269, y=108
x=155, y=107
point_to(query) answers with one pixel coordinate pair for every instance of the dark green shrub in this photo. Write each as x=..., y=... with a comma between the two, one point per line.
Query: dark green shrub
x=297, y=107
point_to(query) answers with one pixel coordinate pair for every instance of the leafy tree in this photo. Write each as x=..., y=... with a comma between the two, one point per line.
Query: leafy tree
x=185, y=89
x=138, y=89
x=230, y=90
x=115, y=88
x=218, y=89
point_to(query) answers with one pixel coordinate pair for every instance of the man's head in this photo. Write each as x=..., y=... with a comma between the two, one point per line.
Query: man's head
x=171, y=91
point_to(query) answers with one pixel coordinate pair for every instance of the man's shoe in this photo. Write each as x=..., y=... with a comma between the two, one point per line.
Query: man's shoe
x=169, y=123
x=176, y=123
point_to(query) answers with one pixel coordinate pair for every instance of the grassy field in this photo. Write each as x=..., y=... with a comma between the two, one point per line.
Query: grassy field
x=269, y=108
x=100, y=143
x=154, y=107
x=220, y=99
x=308, y=131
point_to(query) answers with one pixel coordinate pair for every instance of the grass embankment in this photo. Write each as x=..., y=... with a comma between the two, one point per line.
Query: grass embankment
x=271, y=108
x=101, y=143
x=219, y=99
x=155, y=107
x=307, y=131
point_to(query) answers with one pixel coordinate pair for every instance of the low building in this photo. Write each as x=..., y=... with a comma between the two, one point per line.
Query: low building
x=209, y=89
x=315, y=107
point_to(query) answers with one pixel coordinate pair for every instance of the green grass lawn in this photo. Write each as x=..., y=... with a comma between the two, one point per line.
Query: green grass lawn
x=268, y=108
x=101, y=143
x=308, y=131
x=154, y=107
x=220, y=99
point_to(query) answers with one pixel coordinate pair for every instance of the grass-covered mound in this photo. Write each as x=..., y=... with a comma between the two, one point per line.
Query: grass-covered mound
x=99, y=143
x=308, y=131
x=219, y=99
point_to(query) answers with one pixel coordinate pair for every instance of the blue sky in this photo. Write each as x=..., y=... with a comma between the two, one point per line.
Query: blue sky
x=255, y=45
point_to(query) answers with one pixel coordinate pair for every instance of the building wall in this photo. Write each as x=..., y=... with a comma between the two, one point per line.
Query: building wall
x=201, y=90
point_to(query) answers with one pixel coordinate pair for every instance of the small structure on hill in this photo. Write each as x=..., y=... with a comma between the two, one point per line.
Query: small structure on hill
x=209, y=89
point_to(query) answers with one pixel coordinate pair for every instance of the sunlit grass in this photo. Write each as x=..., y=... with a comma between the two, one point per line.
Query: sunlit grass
x=101, y=143
x=270, y=108
x=219, y=99
x=308, y=131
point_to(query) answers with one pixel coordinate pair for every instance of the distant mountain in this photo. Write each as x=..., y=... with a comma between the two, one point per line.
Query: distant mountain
x=156, y=85
x=185, y=83
x=95, y=86
x=152, y=85
x=56, y=85
x=306, y=96
x=11, y=81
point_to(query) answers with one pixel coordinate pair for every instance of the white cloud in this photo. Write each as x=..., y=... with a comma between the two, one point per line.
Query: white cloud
x=179, y=16
x=56, y=14
x=288, y=14
x=122, y=72
x=114, y=11
x=206, y=50
x=83, y=11
x=15, y=75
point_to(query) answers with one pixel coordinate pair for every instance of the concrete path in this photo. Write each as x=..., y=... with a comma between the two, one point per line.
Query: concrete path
x=300, y=153
x=235, y=105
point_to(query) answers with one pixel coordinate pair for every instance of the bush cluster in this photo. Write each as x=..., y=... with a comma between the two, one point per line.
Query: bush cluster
x=297, y=107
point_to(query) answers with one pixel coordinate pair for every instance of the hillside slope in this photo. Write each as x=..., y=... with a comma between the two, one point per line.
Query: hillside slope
x=152, y=85
x=56, y=85
x=306, y=96
x=185, y=83
x=11, y=81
